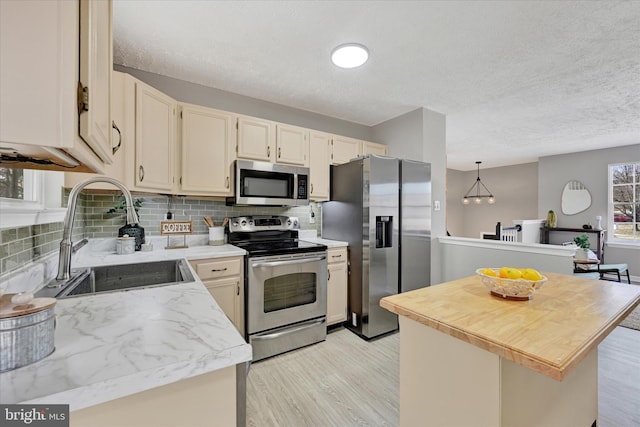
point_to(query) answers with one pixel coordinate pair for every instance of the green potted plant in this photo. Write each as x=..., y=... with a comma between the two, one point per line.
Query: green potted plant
x=583, y=246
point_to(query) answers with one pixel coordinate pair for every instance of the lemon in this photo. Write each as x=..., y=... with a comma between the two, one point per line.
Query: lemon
x=489, y=272
x=514, y=273
x=503, y=272
x=531, y=274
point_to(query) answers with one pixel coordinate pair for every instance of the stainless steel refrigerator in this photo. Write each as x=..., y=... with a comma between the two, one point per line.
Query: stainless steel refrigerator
x=382, y=207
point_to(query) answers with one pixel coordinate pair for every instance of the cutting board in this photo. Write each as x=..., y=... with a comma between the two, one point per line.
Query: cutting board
x=9, y=309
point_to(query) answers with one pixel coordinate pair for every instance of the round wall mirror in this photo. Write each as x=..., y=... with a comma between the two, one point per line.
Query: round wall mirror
x=575, y=198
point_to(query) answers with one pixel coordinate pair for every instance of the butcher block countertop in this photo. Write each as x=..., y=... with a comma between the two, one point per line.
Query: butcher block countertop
x=551, y=333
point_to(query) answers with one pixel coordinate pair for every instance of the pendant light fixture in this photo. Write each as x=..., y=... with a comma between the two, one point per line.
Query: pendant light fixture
x=475, y=192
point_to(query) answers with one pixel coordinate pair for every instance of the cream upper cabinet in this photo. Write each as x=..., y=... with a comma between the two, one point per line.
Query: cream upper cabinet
x=207, y=151
x=319, y=165
x=155, y=118
x=343, y=149
x=39, y=74
x=292, y=145
x=337, y=285
x=373, y=148
x=96, y=64
x=122, y=141
x=256, y=139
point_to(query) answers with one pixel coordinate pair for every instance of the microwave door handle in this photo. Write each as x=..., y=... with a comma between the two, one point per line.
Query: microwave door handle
x=279, y=263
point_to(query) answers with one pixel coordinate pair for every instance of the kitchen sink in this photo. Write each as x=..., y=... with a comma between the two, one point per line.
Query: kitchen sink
x=123, y=277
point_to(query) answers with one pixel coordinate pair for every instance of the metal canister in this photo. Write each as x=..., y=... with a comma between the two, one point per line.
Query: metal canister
x=27, y=338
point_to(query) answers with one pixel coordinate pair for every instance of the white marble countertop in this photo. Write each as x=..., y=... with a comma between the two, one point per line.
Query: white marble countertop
x=330, y=243
x=115, y=344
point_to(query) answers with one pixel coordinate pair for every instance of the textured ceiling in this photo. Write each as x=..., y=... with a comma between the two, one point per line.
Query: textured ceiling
x=516, y=79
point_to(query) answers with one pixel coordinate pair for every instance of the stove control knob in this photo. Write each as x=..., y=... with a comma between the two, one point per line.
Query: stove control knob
x=243, y=222
x=295, y=222
x=288, y=222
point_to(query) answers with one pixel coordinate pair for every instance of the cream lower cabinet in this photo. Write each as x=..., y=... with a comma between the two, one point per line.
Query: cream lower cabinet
x=337, y=285
x=319, y=165
x=207, y=151
x=224, y=279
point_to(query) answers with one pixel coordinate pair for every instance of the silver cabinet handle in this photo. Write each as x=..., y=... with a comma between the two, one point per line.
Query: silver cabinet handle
x=117, y=147
x=141, y=173
x=226, y=183
x=279, y=263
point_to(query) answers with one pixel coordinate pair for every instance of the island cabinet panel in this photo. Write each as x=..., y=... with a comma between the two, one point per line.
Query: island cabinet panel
x=524, y=363
x=208, y=399
x=445, y=381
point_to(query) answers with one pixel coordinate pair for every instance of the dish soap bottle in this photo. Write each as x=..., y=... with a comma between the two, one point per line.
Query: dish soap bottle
x=552, y=221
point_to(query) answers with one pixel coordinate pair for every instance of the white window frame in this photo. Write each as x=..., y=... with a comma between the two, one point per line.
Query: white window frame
x=611, y=239
x=41, y=203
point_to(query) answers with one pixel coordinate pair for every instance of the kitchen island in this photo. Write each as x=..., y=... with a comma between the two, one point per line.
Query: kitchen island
x=165, y=355
x=469, y=358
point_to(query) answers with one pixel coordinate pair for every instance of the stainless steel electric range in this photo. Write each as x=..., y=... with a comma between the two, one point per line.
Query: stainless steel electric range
x=285, y=284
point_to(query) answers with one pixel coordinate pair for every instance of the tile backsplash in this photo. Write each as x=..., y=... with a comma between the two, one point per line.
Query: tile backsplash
x=19, y=246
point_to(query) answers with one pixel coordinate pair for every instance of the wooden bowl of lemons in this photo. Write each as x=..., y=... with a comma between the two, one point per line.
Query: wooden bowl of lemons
x=517, y=284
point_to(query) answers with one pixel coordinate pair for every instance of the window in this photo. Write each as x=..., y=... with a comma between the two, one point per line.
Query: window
x=21, y=188
x=30, y=197
x=624, y=202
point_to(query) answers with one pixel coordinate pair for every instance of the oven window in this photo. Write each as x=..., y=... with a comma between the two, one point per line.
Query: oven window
x=289, y=290
x=266, y=184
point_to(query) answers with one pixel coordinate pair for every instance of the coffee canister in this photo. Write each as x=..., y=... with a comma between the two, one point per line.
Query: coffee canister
x=27, y=331
x=125, y=245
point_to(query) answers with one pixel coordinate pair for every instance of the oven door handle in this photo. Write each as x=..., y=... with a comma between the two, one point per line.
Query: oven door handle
x=301, y=327
x=279, y=263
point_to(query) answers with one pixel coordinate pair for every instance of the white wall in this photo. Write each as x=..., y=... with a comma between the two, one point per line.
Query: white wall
x=421, y=135
x=516, y=191
x=461, y=257
x=590, y=168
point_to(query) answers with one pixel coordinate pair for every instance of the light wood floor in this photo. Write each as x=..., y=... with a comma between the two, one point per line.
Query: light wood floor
x=346, y=381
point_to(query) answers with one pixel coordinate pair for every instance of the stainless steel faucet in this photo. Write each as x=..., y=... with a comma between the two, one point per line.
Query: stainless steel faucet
x=64, y=261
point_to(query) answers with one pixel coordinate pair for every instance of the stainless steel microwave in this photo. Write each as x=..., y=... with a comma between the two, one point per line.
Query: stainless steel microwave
x=263, y=183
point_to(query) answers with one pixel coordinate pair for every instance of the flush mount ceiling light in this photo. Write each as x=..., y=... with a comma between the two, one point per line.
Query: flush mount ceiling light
x=476, y=195
x=350, y=55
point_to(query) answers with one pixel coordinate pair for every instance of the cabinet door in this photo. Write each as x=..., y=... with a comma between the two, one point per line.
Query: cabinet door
x=292, y=144
x=207, y=150
x=155, y=139
x=373, y=148
x=319, y=165
x=228, y=295
x=344, y=149
x=96, y=63
x=256, y=139
x=336, y=293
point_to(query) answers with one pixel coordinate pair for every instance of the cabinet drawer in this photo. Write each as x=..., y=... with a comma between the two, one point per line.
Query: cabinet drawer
x=336, y=255
x=219, y=268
